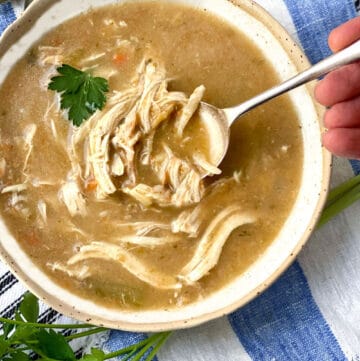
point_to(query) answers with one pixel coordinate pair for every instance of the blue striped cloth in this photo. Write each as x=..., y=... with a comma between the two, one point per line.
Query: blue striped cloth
x=312, y=313
x=7, y=15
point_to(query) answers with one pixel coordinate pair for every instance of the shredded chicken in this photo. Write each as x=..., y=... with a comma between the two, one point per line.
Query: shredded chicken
x=49, y=121
x=36, y=182
x=117, y=165
x=188, y=221
x=190, y=190
x=211, y=243
x=90, y=59
x=145, y=241
x=99, y=138
x=147, y=195
x=205, y=258
x=143, y=228
x=16, y=199
x=42, y=208
x=71, y=227
x=190, y=109
x=18, y=202
x=191, y=221
x=145, y=154
x=170, y=169
x=129, y=120
x=14, y=188
x=72, y=197
x=111, y=148
x=124, y=140
x=132, y=264
x=29, y=133
x=178, y=175
x=50, y=55
x=237, y=176
x=80, y=272
x=205, y=167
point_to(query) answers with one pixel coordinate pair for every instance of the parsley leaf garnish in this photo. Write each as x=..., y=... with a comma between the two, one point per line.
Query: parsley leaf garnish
x=81, y=93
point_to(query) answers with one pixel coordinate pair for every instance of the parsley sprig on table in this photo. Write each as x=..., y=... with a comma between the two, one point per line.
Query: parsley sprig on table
x=23, y=338
x=81, y=93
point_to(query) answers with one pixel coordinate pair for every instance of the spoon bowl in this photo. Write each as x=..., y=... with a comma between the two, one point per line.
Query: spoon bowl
x=218, y=121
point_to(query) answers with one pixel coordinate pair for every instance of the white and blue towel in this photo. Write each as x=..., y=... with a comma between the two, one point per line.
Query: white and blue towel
x=312, y=313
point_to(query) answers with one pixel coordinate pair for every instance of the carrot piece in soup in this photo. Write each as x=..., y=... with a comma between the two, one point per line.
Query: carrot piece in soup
x=90, y=185
x=31, y=237
x=119, y=59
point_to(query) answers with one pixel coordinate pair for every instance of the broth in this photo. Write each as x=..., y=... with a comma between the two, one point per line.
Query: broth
x=259, y=178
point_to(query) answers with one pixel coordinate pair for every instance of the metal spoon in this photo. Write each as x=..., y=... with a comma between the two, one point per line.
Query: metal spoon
x=218, y=121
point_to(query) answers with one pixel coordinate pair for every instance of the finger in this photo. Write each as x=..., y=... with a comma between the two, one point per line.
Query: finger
x=343, y=142
x=339, y=85
x=344, y=115
x=345, y=34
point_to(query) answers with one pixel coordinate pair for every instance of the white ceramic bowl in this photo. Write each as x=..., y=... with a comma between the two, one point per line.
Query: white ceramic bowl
x=287, y=59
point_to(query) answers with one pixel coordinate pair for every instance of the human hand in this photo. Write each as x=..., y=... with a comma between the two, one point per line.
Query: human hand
x=340, y=90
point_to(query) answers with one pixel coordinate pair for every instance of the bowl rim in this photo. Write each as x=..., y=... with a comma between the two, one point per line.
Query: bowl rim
x=301, y=62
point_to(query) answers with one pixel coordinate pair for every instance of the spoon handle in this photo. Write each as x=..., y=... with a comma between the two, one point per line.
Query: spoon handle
x=343, y=57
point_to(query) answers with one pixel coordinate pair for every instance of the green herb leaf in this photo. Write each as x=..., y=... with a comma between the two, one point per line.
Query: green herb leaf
x=49, y=345
x=81, y=93
x=19, y=356
x=340, y=198
x=7, y=329
x=29, y=307
x=157, y=347
x=54, y=346
x=24, y=334
x=96, y=355
x=4, y=345
x=17, y=316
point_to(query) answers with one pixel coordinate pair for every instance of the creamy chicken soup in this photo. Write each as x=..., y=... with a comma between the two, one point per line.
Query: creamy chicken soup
x=125, y=207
